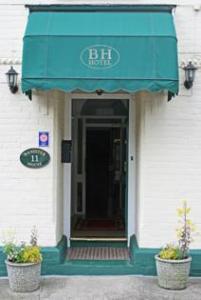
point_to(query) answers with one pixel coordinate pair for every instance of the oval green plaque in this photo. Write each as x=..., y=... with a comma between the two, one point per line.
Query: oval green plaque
x=34, y=158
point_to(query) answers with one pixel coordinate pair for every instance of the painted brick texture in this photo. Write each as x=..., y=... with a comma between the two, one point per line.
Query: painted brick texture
x=26, y=195
x=168, y=140
x=169, y=163
x=169, y=166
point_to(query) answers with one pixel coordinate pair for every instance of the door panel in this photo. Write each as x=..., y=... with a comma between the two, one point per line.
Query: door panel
x=99, y=172
x=79, y=165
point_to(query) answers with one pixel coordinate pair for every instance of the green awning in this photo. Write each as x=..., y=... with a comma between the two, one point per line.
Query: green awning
x=111, y=51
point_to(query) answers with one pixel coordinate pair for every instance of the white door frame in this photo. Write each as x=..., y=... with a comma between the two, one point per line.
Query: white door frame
x=67, y=169
x=132, y=215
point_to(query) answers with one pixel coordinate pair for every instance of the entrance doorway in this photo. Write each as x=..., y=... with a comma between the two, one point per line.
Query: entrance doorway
x=99, y=168
x=98, y=156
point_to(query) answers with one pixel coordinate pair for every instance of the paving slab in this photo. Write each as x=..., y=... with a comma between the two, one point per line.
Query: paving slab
x=102, y=288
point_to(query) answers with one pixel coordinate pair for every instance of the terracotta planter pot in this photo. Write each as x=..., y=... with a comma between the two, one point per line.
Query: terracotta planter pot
x=173, y=274
x=23, y=277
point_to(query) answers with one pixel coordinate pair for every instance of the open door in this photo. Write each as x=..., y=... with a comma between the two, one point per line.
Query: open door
x=99, y=175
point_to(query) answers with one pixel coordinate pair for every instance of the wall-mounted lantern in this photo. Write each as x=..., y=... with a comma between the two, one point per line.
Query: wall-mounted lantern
x=99, y=92
x=189, y=75
x=12, y=80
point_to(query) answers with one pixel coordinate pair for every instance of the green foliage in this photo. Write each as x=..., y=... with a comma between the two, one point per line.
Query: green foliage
x=170, y=252
x=23, y=253
x=31, y=254
x=12, y=252
x=185, y=229
x=184, y=235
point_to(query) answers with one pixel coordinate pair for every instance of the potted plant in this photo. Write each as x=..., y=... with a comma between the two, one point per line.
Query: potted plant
x=173, y=261
x=23, y=264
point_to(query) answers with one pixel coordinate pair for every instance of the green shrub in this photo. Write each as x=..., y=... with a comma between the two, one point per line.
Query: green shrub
x=31, y=254
x=170, y=252
x=23, y=253
x=184, y=231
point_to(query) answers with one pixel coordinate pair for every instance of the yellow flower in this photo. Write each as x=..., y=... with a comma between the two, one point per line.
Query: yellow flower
x=184, y=210
x=188, y=210
x=31, y=254
x=180, y=212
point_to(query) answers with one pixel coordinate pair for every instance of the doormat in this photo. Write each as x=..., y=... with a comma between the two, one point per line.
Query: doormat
x=98, y=253
x=99, y=224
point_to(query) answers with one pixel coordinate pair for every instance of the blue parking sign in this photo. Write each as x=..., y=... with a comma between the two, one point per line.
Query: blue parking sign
x=43, y=139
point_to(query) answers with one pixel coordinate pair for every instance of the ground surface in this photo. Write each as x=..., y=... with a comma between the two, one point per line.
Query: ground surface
x=102, y=288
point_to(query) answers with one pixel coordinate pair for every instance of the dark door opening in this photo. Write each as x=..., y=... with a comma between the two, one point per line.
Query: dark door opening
x=98, y=154
x=99, y=169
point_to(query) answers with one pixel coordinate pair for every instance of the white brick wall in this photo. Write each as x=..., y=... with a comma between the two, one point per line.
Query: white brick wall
x=169, y=146
x=168, y=140
x=25, y=194
x=169, y=165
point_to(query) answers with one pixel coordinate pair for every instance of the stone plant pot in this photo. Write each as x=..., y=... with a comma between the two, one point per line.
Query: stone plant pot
x=23, y=277
x=173, y=274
